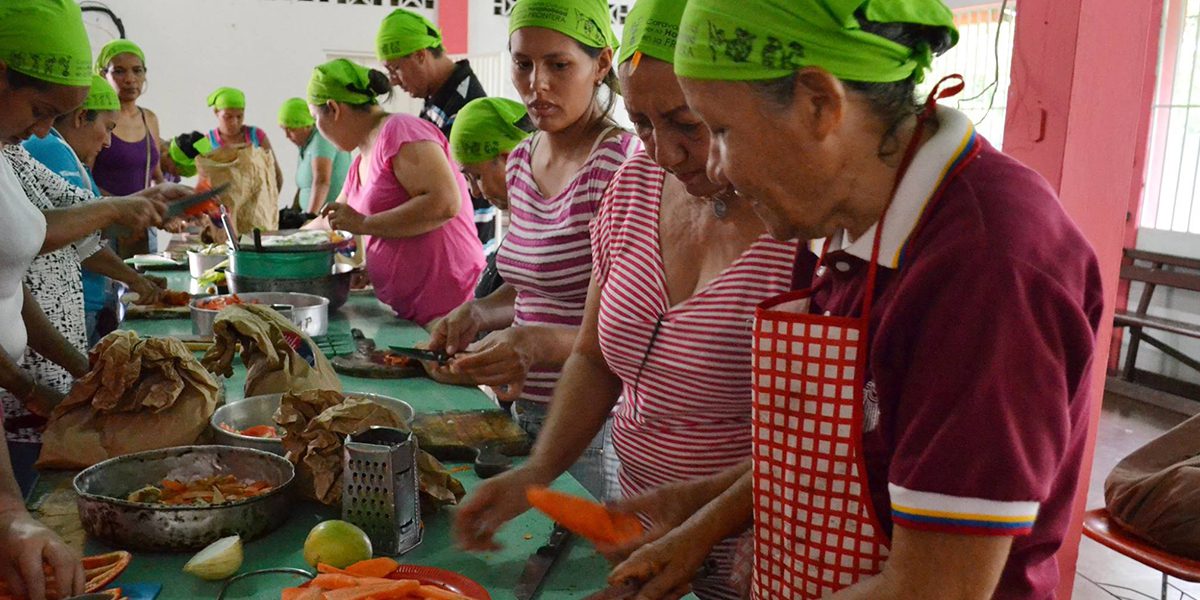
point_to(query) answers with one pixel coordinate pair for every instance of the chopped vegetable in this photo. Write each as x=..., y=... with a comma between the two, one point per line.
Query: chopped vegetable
x=219, y=302
x=375, y=567
x=259, y=431
x=206, y=491
x=586, y=518
x=174, y=298
x=218, y=560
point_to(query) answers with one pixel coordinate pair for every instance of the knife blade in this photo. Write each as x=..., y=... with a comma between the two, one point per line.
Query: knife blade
x=541, y=561
x=422, y=354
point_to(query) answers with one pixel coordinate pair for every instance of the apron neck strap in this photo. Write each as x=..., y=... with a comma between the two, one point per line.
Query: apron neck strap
x=953, y=85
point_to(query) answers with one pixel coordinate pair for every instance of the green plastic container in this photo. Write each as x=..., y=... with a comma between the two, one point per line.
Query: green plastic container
x=282, y=265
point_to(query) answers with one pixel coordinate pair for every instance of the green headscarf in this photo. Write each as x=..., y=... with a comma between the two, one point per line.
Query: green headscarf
x=652, y=28
x=115, y=48
x=341, y=81
x=294, y=114
x=45, y=39
x=227, y=97
x=403, y=33
x=769, y=39
x=485, y=128
x=102, y=96
x=586, y=21
x=185, y=148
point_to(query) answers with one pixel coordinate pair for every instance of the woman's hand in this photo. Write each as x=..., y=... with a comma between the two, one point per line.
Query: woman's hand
x=148, y=291
x=502, y=359
x=457, y=330
x=494, y=503
x=664, y=568
x=667, y=507
x=42, y=400
x=342, y=216
x=25, y=546
x=137, y=212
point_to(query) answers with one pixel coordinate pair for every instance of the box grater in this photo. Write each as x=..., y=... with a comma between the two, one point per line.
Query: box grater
x=381, y=488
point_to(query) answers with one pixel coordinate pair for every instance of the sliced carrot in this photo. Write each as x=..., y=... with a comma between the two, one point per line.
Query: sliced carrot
x=324, y=568
x=262, y=431
x=174, y=486
x=432, y=592
x=335, y=581
x=585, y=517
x=375, y=567
x=302, y=593
x=363, y=592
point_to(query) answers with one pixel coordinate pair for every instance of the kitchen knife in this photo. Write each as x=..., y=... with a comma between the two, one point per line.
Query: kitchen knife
x=541, y=561
x=178, y=207
x=440, y=358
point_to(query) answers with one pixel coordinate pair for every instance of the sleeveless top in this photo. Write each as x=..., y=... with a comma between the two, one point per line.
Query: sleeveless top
x=252, y=137
x=122, y=169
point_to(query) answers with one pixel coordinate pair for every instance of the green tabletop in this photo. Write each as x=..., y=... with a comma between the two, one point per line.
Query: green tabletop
x=575, y=576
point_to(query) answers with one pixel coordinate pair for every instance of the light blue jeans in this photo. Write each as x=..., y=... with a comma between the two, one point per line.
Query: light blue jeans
x=593, y=469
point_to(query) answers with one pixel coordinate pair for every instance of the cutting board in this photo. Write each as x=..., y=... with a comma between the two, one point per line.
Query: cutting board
x=151, y=311
x=457, y=435
x=369, y=362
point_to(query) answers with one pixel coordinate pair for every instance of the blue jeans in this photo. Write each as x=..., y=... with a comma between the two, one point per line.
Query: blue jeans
x=589, y=470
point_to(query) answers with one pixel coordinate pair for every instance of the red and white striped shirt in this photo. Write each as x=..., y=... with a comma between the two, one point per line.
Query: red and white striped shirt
x=546, y=254
x=687, y=413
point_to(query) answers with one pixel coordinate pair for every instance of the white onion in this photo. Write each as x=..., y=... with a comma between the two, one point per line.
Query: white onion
x=218, y=560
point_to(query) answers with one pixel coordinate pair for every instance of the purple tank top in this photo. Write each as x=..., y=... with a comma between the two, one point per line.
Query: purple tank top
x=120, y=169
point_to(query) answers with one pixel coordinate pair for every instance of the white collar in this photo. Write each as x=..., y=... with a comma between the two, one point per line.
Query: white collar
x=929, y=168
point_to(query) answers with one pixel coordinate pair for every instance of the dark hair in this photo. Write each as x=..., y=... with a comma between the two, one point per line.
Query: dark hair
x=89, y=115
x=17, y=80
x=437, y=51
x=892, y=102
x=526, y=124
x=378, y=84
x=610, y=79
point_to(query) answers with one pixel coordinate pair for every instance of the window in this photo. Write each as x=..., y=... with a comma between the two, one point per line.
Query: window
x=984, y=32
x=1171, y=197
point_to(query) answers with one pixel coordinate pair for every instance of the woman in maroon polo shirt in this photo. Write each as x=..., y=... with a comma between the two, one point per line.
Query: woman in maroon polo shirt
x=920, y=412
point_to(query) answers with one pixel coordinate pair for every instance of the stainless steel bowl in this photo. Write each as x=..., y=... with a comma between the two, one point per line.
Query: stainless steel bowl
x=199, y=262
x=308, y=312
x=260, y=410
x=335, y=287
x=107, y=516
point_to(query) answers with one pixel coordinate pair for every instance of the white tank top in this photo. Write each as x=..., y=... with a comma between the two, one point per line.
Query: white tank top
x=22, y=229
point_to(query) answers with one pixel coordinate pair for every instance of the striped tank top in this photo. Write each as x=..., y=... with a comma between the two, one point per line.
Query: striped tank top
x=546, y=254
x=685, y=409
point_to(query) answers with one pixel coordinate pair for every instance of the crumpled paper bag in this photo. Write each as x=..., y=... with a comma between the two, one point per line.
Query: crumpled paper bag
x=252, y=197
x=135, y=386
x=278, y=356
x=316, y=423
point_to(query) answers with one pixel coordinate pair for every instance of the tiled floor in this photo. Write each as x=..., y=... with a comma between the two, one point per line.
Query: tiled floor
x=1125, y=426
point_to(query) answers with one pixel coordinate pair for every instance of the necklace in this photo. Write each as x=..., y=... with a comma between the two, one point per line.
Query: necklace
x=720, y=203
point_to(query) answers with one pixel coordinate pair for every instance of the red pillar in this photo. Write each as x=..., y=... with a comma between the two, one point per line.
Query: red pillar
x=453, y=20
x=1079, y=108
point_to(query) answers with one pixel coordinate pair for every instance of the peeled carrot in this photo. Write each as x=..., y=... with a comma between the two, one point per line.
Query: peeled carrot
x=324, y=568
x=375, y=567
x=363, y=592
x=335, y=581
x=431, y=592
x=586, y=518
x=299, y=593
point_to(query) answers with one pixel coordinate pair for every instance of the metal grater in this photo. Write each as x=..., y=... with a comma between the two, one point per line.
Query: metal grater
x=381, y=488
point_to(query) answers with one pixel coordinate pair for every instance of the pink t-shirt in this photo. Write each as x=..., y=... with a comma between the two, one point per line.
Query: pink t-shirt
x=426, y=276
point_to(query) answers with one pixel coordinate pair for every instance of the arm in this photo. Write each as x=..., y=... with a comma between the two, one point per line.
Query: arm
x=434, y=197
x=322, y=169
x=457, y=330
x=107, y=263
x=46, y=340
x=66, y=225
x=156, y=176
x=582, y=400
x=266, y=145
x=932, y=564
x=26, y=545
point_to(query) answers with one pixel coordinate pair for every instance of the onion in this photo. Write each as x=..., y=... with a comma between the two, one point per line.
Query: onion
x=219, y=560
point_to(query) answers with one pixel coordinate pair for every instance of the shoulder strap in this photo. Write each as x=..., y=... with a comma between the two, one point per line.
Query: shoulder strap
x=149, y=150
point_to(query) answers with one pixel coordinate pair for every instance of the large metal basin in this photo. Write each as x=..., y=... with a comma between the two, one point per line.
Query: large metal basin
x=335, y=287
x=107, y=516
x=308, y=312
x=260, y=410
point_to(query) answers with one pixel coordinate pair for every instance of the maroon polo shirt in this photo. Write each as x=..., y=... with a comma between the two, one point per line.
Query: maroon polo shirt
x=981, y=341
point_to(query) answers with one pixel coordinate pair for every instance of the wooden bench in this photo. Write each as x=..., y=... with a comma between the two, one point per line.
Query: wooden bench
x=1156, y=271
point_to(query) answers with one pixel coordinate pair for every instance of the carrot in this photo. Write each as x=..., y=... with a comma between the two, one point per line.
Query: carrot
x=375, y=567
x=335, y=581
x=262, y=431
x=584, y=517
x=363, y=592
x=324, y=568
x=431, y=592
x=300, y=593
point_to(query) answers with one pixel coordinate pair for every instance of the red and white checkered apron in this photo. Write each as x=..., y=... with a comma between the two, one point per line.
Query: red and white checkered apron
x=815, y=531
x=815, y=528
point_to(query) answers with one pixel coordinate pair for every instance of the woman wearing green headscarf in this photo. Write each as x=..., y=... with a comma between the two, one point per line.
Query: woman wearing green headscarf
x=403, y=194
x=229, y=106
x=562, y=54
x=647, y=318
x=323, y=167
x=921, y=410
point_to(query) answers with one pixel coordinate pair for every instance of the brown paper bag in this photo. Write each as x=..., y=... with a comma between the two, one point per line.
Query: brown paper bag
x=278, y=356
x=253, y=196
x=136, y=387
x=1155, y=492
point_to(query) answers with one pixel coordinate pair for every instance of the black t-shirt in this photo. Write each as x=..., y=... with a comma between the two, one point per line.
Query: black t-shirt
x=462, y=87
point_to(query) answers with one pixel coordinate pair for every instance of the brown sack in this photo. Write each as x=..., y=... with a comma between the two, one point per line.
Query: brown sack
x=1155, y=492
x=253, y=196
x=278, y=356
x=141, y=394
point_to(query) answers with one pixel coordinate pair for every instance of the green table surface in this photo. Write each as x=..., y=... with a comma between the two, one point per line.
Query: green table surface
x=576, y=575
